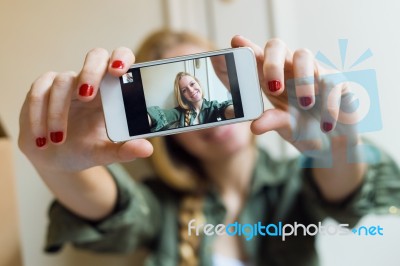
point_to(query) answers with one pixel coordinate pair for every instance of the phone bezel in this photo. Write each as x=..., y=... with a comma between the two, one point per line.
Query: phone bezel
x=246, y=68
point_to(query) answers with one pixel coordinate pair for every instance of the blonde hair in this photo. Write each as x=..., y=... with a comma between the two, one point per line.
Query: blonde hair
x=174, y=165
x=158, y=43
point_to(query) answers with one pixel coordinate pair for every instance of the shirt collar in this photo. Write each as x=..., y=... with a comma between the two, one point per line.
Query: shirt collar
x=204, y=105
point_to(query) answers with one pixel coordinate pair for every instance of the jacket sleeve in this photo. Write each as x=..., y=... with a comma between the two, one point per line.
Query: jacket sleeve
x=162, y=119
x=134, y=222
x=378, y=194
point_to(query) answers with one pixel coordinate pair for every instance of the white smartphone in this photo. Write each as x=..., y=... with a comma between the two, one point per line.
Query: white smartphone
x=181, y=94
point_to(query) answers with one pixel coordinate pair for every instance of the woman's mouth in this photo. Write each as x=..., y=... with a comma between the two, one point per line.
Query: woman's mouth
x=194, y=94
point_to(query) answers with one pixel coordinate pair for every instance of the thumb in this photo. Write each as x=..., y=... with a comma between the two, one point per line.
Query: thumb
x=273, y=119
x=128, y=151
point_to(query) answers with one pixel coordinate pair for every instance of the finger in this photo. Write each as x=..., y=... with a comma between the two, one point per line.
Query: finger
x=273, y=119
x=37, y=101
x=121, y=59
x=94, y=68
x=303, y=70
x=140, y=148
x=58, y=107
x=240, y=41
x=127, y=151
x=277, y=58
x=331, y=98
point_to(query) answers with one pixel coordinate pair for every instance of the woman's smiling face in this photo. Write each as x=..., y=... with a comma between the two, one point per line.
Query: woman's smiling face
x=215, y=143
x=190, y=89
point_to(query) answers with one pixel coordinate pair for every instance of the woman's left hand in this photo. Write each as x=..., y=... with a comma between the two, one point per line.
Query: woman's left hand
x=307, y=98
x=314, y=111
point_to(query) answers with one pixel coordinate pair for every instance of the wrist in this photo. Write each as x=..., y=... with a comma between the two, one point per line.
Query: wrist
x=91, y=193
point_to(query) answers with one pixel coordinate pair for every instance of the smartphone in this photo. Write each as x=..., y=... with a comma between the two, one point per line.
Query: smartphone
x=181, y=94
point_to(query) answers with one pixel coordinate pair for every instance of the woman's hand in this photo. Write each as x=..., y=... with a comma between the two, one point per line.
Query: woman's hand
x=307, y=98
x=63, y=134
x=61, y=123
x=309, y=101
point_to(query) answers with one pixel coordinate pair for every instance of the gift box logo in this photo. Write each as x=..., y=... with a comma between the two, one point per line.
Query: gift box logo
x=364, y=91
x=359, y=109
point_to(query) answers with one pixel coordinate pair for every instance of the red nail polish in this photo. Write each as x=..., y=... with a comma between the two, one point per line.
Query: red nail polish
x=56, y=137
x=274, y=85
x=326, y=126
x=305, y=101
x=117, y=64
x=40, y=142
x=86, y=90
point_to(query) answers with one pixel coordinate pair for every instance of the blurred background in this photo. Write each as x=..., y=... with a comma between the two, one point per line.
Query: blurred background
x=37, y=36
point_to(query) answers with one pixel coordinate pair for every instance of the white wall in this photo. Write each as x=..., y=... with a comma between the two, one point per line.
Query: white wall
x=37, y=36
x=217, y=89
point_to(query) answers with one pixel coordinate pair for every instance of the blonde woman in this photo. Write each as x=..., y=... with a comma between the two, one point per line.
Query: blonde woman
x=203, y=179
x=193, y=108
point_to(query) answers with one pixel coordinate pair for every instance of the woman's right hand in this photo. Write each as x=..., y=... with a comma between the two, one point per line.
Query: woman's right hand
x=62, y=125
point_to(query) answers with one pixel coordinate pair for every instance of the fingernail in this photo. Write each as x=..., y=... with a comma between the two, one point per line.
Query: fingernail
x=56, y=137
x=274, y=85
x=326, y=126
x=40, y=142
x=305, y=101
x=117, y=64
x=86, y=90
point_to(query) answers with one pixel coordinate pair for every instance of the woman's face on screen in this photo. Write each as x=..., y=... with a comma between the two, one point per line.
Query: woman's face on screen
x=190, y=89
x=215, y=143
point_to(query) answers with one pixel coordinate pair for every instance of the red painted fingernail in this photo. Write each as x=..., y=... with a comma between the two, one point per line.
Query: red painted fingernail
x=117, y=64
x=305, y=101
x=274, y=85
x=326, y=126
x=56, y=137
x=40, y=142
x=86, y=90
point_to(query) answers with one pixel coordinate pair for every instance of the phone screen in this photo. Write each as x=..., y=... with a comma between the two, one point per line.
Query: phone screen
x=181, y=94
